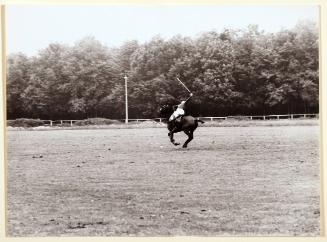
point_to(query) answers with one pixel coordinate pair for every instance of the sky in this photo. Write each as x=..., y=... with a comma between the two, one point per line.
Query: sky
x=32, y=28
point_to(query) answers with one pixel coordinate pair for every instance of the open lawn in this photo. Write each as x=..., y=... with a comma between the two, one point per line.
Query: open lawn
x=122, y=182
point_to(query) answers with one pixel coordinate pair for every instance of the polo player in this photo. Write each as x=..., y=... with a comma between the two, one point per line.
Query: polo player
x=180, y=109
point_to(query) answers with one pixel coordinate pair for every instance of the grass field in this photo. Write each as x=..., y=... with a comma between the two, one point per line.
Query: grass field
x=122, y=182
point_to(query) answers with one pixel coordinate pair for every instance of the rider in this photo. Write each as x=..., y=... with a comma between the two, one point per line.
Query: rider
x=180, y=109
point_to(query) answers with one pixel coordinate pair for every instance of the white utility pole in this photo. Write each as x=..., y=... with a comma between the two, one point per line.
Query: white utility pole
x=126, y=99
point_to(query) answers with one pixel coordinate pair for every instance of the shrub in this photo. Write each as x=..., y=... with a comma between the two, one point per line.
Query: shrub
x=25, y=122
x=96, y=121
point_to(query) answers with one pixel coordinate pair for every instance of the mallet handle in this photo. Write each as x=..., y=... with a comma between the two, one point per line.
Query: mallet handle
x=183, y=85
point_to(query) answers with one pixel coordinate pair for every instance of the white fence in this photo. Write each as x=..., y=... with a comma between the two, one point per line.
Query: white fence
x=250, y=117
x=264, y=117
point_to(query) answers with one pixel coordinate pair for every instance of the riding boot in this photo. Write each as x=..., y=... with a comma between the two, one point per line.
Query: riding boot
x=174, y=123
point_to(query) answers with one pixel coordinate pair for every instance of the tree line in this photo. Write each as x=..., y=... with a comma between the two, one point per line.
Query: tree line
x=232, y=72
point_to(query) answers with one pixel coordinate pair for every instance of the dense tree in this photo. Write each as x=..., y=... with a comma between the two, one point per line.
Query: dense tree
x=233, y=72
x=18, y=76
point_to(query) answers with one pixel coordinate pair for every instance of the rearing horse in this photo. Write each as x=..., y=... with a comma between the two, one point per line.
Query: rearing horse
x=187, y=124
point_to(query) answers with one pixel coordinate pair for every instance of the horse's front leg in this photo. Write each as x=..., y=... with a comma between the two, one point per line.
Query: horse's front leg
x=171, y=136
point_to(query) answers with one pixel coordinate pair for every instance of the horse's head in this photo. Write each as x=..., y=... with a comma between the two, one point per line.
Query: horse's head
x=166, y=110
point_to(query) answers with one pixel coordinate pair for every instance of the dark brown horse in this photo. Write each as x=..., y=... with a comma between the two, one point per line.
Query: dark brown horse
x=187, y=124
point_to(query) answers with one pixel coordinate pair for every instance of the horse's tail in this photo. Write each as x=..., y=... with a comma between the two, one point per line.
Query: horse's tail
x=199, y=121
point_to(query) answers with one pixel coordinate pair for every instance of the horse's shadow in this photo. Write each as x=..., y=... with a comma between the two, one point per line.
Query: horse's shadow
x=202, y=148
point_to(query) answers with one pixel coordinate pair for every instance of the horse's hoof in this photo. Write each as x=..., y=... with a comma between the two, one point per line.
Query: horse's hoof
x=176, y=143
x=184, y=146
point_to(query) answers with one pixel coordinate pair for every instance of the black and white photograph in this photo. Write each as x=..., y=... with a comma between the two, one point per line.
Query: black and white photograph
x=162, y=120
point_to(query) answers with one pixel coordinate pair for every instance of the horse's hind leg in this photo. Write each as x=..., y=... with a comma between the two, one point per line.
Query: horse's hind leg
x=190, y=137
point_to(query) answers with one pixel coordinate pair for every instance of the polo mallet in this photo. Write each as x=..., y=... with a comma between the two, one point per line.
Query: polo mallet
x=183, y=85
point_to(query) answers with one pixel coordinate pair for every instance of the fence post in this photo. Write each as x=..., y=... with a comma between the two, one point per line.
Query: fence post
x=51, y=123
x=71, y=123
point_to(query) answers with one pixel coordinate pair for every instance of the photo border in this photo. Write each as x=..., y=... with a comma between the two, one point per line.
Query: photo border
x=322, y=118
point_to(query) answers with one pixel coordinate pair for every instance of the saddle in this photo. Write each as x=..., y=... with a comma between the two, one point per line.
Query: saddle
x=178, y=120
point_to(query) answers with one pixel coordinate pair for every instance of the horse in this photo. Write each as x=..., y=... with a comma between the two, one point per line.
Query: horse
x=187, y=124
